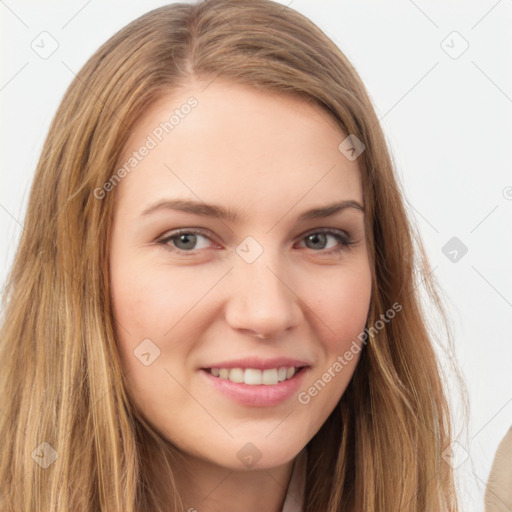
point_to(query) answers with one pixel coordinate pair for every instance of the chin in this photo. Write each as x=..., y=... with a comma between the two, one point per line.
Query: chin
x=257, y=455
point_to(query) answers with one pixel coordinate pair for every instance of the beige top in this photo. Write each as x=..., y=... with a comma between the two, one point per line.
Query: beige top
x=498, y=493
x=294, y=499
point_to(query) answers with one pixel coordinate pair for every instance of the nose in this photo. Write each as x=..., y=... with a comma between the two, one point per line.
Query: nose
x=262, y=298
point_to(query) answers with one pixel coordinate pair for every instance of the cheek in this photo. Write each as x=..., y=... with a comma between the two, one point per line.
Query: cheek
x=158, y=311
x=149, y=300
x=153, y=334
x=342, y=304
x=141, y=310
x=341, y=308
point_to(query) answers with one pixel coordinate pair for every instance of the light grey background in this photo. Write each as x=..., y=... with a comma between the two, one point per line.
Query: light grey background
x=447, y=116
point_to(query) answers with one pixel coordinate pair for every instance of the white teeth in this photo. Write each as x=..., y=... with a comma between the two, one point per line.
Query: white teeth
x=269, y=376
x=236, y=375
x=281, y=373
x=253, y=376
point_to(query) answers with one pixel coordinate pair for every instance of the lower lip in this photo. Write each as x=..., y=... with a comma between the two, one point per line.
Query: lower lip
x=260, y=395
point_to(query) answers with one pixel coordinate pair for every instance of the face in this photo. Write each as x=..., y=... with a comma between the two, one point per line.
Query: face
x=221, y=233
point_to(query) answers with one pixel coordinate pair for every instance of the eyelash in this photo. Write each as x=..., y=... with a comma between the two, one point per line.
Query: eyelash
x=344, y=239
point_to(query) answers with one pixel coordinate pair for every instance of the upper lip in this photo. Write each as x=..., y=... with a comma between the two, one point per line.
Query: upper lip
x=258, y=363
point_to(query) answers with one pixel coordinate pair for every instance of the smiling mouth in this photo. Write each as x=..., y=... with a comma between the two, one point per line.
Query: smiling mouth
x=255, y=376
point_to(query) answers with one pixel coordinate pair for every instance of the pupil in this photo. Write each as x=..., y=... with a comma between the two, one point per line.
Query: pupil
x=190, y=238
x=318, y=236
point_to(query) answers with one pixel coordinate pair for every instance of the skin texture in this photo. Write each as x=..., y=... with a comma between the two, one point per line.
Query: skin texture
x=269, y=157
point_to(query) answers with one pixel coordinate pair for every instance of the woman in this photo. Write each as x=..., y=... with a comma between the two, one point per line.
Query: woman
x=249, y=368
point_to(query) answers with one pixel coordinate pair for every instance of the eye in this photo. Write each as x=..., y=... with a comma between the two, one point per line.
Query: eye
x=187, y=241
x=184, y=241
x=318, y=240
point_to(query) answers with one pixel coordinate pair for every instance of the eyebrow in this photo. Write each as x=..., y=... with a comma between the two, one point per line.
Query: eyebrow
x=219, y=212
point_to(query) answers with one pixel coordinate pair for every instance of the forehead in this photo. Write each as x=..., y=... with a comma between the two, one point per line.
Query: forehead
x=235, y=143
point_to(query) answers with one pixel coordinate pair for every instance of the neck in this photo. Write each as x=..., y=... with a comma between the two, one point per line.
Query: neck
x=207, y=487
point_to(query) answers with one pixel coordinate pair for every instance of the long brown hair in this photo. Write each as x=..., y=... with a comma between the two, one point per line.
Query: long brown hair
x=61, y=379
